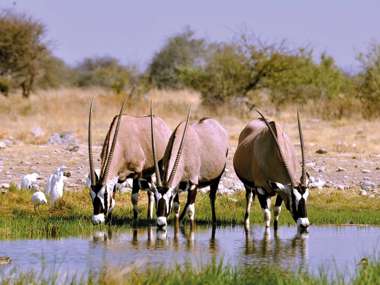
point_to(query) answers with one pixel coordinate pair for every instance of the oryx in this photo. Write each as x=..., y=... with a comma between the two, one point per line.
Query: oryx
x=266, y=163
x=128, y=156
x=197, y=158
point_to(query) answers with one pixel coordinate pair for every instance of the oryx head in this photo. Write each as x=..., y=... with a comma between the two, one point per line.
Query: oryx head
x=165, y=192
x=102, y=189
x=294, y=195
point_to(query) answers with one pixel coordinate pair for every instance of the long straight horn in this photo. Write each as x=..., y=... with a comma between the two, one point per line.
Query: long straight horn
x=90, y=156
x=104, y=175
x=278, y=147
x=176, y=162
x=303, y=175
x=157, y=171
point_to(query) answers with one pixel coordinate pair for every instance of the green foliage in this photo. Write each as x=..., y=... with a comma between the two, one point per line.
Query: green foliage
x=180, y=51
x=369, y=80
x=54, y=73
x=22, y=49
x=104, y=72
x=225, y=75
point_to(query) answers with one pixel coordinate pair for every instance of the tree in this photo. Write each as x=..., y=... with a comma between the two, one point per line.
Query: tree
x=369, y=80
x=22, y=49
x=180, y=51
x=104, y=72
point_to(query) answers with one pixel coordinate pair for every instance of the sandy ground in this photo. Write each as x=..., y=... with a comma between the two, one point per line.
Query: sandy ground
x=351, y=161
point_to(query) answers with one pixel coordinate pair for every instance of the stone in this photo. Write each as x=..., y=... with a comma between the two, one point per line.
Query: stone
x=2, y=145
x=366, y=171
x=5, y=186
x=363, y=193
x=37, y=132
x=72, y=148
x=321, y=151
x=66, y=138
x=340, y=169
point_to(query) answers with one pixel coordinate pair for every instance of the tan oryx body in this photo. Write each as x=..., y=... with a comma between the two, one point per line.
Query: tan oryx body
x=266, y=163
x=128, y=156
x=195, y=156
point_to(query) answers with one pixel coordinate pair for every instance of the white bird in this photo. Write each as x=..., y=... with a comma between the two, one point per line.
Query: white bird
x=38, y=198
x=55, y=185
x=29, y=181
x=88, y=178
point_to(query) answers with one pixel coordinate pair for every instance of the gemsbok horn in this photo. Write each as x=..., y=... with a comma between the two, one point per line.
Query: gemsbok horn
x=129, y=155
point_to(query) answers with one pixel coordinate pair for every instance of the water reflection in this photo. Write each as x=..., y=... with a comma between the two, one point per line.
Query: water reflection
x=276, y=250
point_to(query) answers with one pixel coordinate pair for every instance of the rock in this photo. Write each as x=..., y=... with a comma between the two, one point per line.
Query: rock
x=340, y=186
x=365, y=171
x=310, y=164
x=318, y=183
x=377, y=168
x=367, y=185
x=5, y=186
x=2, y=145
x=340, y=169
x=322, y=169
x=363, y=193
x=37, y=132
x=321, y=151
x=371, y=196
x=66, y=138
x=72, y=148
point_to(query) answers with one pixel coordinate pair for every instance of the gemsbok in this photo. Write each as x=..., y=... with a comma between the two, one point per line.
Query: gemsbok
x=266, y=163
x=128, y=156
x=195, y=159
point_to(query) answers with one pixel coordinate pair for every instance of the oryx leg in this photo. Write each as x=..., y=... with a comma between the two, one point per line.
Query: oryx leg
x=249, y=196
x=264, y=200
x=190, y=203
x=212, y=194
x=145, y=184
x=176, y=206
x=135, y=197
x=277, y=211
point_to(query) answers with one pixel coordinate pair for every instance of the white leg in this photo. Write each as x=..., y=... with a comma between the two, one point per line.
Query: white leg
x=191, y=211
x=150, y=204
x=267, y=216
x=248, y=208
x=276, y=212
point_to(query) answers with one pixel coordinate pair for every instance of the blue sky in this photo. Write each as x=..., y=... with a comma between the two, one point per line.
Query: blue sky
x=133, y=30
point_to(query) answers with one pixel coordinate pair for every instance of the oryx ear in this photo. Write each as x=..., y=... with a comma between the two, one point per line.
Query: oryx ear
x=96, y=177
x=279, y=188
x=276, y=186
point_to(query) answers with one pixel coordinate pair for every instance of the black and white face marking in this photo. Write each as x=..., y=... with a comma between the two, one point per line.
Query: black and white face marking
x=103, y=202
x=295, y=201
x=164, y=202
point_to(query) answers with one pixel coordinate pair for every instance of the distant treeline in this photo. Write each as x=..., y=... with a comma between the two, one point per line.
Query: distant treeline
x=247, y=71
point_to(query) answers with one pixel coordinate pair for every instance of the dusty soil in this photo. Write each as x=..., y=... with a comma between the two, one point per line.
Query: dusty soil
x=340, y=171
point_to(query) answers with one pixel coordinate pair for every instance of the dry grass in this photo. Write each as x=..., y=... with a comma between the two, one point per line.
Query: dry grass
x=67, y=110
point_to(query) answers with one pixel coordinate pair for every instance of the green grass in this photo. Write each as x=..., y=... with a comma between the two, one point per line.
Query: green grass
x=71, y=216
x=212, y=273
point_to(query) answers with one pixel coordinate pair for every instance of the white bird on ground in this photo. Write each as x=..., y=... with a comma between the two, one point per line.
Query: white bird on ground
x=55, y=185
x=38, y=198
x=29, y=181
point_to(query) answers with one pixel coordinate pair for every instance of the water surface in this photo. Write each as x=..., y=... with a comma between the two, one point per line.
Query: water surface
x=328, y=247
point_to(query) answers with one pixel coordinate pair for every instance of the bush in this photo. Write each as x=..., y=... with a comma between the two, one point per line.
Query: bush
x=104, y=72
x=22, y=49
x=180, y=51
x=369, y=80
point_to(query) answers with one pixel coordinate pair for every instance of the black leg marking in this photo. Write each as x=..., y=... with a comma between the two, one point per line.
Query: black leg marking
x=134, y=197
x=191, y=195
x=277, y=210
x=213, y=189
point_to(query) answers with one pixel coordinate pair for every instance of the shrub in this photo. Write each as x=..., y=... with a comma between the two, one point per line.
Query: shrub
x=22, y=49
x=180, y=51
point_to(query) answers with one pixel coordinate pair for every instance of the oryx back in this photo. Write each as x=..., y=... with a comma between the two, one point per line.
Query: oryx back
x=257, y=159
